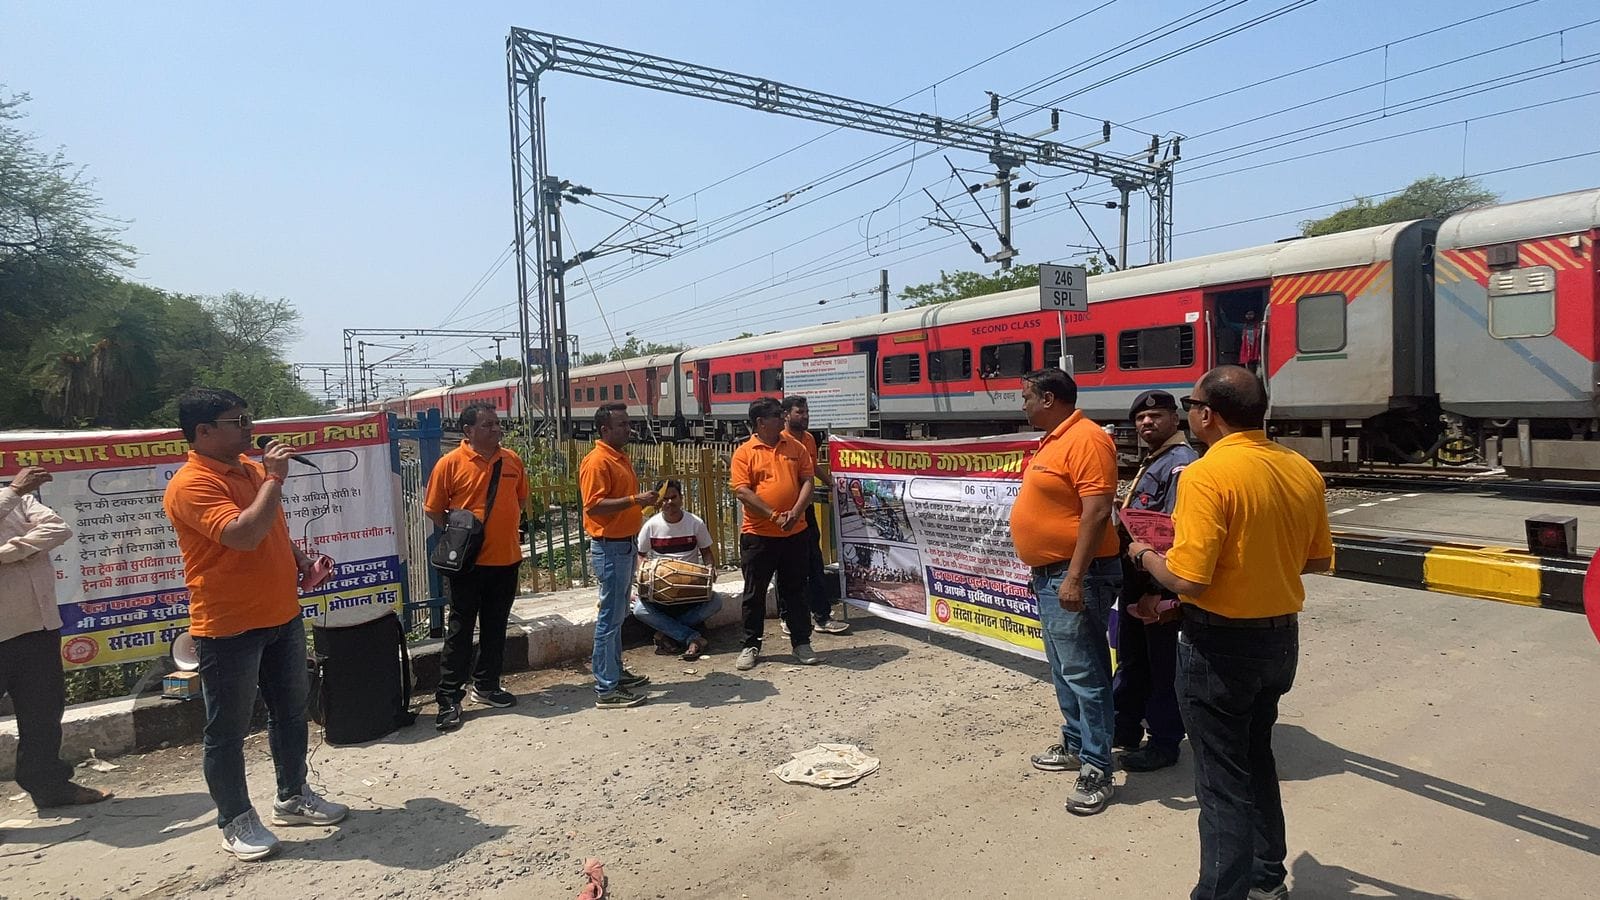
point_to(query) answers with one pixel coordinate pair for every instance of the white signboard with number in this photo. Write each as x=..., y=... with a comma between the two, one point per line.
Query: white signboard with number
x=835, y=387
x=1063, y=289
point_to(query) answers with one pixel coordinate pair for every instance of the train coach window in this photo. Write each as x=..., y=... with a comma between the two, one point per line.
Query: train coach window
x=1088, y=352
x=950, y=365
x=722, y=384
x=744, y=382
x=631, y=394
x=1167, y=347
x=591, y=395
x=772, y=379
x=1005, y=360
x=903, y=369
x=1522, y=303
x=577, y=394
x=1319, y=323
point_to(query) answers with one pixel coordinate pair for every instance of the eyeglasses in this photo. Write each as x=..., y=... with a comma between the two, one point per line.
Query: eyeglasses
x=1190, y=403
x=241, y=421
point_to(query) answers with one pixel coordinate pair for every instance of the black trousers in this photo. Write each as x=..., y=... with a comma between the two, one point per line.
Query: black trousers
x=1144, y=689
x=482, y=595
x=816, y=589
x=30, y=672
x=784, y=557
x=1229, y=683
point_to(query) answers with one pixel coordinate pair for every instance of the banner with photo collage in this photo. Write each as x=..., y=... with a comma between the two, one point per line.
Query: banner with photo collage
x=924, y=535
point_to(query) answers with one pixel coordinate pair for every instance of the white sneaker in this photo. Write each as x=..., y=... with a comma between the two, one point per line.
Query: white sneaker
x=784, y=624
x=308, y=809
x=246, y=838
x=747, y=659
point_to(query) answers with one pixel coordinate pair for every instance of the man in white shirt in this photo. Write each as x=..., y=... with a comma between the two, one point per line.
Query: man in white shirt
x=30, y=641
x=676, y=534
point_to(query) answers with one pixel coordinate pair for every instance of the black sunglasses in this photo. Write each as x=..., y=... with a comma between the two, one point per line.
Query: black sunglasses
x=1190, y=403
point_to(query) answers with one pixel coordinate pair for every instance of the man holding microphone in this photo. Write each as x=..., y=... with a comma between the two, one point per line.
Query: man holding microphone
x=243, y=575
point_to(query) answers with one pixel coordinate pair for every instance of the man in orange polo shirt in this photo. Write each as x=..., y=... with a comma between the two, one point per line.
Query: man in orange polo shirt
x=483, y=593
x=1060, y=526
x=771, y=475
x=611, y=517
x=1251, y=519
x=243, y=573
x=797, y=424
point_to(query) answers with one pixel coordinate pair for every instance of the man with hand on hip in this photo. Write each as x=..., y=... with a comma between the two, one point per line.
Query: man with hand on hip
x=1060, y=526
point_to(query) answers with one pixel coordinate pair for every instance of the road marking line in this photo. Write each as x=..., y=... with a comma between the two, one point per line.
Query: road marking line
x=1340, y=512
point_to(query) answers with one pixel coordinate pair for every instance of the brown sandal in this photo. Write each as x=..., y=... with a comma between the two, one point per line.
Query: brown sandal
x=696, y=649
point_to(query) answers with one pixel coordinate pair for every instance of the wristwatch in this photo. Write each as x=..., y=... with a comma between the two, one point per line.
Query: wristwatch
x=1139, y=559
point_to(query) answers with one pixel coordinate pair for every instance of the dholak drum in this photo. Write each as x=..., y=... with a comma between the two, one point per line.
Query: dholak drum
x=674, y=581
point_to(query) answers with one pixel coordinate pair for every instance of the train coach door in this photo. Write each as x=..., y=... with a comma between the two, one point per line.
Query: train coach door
x=1236, y=326
x=869, y=346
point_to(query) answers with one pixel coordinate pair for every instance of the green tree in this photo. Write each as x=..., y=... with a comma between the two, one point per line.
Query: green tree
x=1433, y=197
x=56, y=253
x=590, y=359
x=492, y=370
x=961, y=285
x=634, y=347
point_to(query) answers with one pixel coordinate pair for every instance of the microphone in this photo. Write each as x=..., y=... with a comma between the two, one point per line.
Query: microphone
x=264, y=440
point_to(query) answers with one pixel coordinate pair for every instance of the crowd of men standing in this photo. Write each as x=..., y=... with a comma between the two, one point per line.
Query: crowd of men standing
x=1206, y=629
x=1248, y=519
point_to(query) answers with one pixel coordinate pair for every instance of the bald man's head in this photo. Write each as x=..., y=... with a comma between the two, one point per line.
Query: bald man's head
x=1235, y=394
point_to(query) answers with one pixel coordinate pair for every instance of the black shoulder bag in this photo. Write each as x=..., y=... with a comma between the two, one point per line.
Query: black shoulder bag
x=458, y=546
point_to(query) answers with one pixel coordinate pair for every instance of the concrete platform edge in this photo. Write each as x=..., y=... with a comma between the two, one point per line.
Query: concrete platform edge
x=546, y=631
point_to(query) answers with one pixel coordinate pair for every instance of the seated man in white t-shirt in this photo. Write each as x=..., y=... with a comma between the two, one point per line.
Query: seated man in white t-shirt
x=677, y=534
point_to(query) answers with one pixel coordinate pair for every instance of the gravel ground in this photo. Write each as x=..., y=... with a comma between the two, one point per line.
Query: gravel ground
x=1393, y=784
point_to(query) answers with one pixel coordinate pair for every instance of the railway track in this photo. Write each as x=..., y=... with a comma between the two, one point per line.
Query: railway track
x=1498, y=485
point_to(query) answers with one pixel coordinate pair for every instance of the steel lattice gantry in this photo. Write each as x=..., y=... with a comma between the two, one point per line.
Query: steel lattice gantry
x=529, y=54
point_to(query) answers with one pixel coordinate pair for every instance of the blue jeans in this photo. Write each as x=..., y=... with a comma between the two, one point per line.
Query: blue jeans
x=678, y=621
x=231, y=669
x=1229, y=682
x=613, y=563
x=1080, y=658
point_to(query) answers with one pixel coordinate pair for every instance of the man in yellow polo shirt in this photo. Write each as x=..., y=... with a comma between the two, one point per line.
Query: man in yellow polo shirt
x=771, y=475
x=1251, y=519
x=482, y=594
x=611, y=517
x=1060, y=526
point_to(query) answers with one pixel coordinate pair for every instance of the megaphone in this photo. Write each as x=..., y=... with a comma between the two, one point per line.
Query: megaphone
x=185, y=654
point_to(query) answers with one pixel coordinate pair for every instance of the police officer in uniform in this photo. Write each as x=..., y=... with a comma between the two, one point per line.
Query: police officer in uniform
x=1147, y=651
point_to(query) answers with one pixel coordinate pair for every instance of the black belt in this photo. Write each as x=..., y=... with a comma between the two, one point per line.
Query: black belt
x=1054, y=568
x=606, y=540
x=1198, y=616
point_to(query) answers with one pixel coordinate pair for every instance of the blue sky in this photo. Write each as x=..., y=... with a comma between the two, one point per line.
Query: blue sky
x=358, y=163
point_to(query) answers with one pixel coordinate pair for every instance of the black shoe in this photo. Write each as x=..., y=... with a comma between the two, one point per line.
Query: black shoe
x=621, y=698
x=1149, y=758
x=630, y=680
x=495, y=697
x=1127, y=742
x=449, y=717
